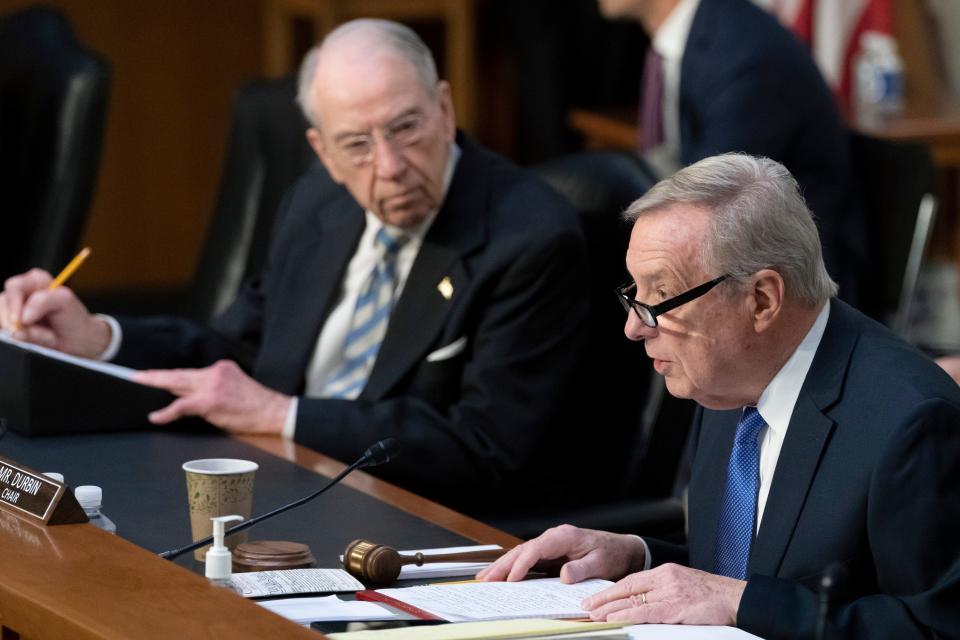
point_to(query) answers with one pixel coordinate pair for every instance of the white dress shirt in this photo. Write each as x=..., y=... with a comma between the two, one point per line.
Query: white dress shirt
x=669, y=42
x=328, y=353
x=776, y=406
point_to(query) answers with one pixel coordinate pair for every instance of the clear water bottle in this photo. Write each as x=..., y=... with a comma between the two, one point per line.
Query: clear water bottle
x=879, y=74
x=91, y=499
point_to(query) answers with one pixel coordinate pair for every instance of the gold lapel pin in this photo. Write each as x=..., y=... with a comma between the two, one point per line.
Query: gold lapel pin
x=445, y=287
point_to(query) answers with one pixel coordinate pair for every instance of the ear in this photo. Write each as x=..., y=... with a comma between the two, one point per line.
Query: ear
x=315, y=139
x=766, y=298
x=446, y=109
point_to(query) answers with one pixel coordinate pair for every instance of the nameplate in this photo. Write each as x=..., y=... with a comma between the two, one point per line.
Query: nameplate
x=30, y=494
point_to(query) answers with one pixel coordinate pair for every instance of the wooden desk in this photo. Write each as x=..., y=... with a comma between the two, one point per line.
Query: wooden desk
x=77, y=582
x=935, y=123
x=609, y=128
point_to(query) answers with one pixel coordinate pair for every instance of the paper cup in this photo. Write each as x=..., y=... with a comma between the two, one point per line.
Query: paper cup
x=218, y=487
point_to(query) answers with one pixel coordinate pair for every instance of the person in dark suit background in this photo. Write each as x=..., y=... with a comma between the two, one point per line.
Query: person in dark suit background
x=724, y=75
x=822, y=439
x=433, y=297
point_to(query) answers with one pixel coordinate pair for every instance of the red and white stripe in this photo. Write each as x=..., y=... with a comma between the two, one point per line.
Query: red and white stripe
x=832, y=29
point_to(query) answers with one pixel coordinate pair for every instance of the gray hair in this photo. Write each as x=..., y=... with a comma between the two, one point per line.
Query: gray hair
x=397, y=37
x=759, y=220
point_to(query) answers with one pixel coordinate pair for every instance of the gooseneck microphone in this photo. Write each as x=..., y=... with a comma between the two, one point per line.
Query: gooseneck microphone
x=830, y=583
x=380, y=453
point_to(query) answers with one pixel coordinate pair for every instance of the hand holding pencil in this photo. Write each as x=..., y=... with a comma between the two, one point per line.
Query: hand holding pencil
x=35, y=307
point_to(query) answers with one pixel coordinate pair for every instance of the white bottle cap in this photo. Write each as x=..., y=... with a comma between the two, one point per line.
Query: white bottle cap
x=219, y=561
x=89, y=496
x=53, y=475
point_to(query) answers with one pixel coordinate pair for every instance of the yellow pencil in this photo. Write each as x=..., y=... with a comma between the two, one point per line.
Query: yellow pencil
x=69, y=270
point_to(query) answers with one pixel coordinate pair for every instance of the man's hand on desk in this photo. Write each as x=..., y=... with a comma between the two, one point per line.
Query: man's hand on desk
x=54, y=318
x=670, y=594
x=585, y=553
x=222, y=394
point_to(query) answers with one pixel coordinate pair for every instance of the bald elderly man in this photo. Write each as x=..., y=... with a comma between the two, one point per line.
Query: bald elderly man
x=434, y=294
x=823, y=443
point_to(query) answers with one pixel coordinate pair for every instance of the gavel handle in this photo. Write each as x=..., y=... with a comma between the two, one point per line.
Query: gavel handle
x=484, y=555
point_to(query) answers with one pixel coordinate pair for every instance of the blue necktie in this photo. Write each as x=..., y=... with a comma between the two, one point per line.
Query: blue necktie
x=368, y=325
x=738, y=511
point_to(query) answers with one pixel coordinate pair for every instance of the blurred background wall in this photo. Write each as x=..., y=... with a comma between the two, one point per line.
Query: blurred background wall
x=176, y=64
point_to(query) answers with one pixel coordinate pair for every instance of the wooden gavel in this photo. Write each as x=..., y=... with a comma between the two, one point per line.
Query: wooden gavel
x=380, y=564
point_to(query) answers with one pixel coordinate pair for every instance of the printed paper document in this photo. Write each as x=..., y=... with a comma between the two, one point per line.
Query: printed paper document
x=544, y=598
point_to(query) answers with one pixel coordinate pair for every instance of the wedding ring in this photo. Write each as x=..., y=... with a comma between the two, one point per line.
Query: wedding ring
x=643, y=597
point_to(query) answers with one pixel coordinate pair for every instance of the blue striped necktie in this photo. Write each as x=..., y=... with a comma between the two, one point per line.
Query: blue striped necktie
x=368, y=325
x=738, y=511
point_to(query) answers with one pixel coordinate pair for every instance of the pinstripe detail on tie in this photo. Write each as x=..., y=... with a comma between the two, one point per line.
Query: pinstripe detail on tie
x=368, y=325
x=738, y=511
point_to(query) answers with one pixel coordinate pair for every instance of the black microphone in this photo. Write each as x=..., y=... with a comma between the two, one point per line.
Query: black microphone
x=829, y=585
x=380, y=453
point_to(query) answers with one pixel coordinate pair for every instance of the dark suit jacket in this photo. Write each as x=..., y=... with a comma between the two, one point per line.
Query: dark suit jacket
x=468, y=426
x=747, y=84
x=868, y=478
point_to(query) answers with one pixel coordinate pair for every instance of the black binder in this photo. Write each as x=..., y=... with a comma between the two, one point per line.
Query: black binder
x=42, y=395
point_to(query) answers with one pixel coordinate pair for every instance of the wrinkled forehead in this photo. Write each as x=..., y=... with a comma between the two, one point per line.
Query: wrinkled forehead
x=376, y=81
x=668, y=241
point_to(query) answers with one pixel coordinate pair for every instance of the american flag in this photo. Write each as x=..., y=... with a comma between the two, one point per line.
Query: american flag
x=832, y=30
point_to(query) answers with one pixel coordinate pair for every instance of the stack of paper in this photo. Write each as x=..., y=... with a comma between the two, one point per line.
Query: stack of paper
x=545, y=598
x=499, y=630
x=326, y=608
x=259, y=584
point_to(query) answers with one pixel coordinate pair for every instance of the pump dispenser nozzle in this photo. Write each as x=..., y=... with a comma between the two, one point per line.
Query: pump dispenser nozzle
x=219, y=562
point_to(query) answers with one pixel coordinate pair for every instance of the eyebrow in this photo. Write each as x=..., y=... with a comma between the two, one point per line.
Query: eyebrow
x=343, y=135
x=659, y=274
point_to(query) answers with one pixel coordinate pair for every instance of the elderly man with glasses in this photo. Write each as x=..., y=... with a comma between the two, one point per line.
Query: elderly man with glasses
x=823, y=445
x=427, y=298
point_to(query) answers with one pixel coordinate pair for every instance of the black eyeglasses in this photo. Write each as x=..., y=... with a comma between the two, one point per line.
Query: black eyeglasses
x=648, y=313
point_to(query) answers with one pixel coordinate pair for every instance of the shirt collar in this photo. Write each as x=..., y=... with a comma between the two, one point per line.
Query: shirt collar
x=418, y=232
x=779, y=398
x=671, y=38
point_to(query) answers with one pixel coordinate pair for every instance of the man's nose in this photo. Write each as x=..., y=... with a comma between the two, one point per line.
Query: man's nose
x=635, y=329
x=389, y=159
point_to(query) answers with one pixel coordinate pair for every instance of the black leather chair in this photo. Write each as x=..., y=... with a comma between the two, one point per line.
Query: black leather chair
x=53, y=100
x=267, y=152
x=636, y=464
x=897, y=183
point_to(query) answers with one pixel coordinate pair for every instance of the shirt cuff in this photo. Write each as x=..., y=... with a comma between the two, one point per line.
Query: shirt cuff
x=116, y=337
x=647, y=560
x=290, y=424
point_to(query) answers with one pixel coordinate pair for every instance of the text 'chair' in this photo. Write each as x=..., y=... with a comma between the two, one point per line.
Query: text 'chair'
x=53, y=101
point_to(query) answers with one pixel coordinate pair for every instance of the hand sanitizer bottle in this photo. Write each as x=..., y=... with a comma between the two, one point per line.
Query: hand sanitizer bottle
x=91, y=499
x=219, y=561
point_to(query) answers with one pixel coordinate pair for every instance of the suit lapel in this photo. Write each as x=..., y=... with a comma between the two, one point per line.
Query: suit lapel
x=310, y=292
x=807, y=437
x=421, y=311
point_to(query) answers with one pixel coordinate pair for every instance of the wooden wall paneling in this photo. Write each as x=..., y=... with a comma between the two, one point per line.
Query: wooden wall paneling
x=175, y=67
x=457, y=16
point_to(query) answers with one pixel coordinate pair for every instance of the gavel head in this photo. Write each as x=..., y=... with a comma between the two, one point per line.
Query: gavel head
x=371, y=562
